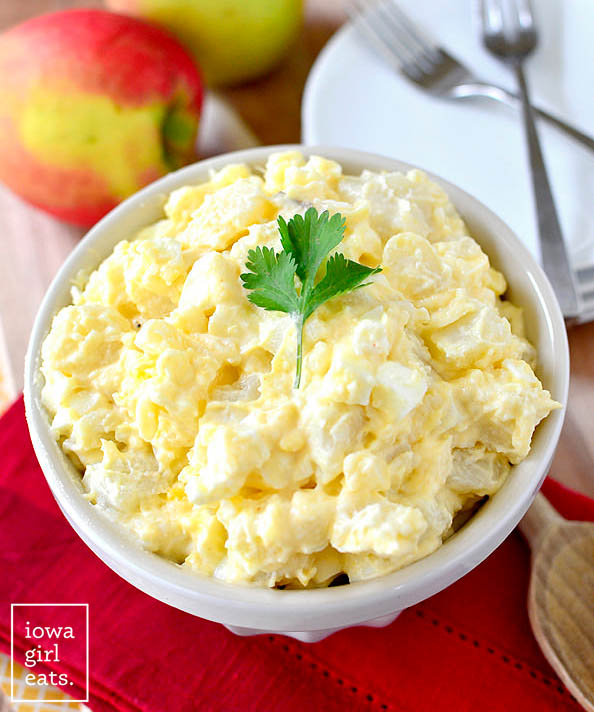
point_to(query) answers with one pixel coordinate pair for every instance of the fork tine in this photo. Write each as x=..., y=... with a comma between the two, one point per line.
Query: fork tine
x=525, y=15
x=401, y=35
x=422, y=42
x=492, y=16
x=359, y=17
x=375, y=31
x=371, y=20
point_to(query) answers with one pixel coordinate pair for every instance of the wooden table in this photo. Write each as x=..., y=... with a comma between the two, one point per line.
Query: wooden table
x=33, y=245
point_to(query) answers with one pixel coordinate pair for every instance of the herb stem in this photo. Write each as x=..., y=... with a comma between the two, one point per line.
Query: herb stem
x=307, y=240
x=299, y=327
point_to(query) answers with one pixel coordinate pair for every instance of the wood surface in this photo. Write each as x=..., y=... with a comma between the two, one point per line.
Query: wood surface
x=33, y=245
x=561, y=595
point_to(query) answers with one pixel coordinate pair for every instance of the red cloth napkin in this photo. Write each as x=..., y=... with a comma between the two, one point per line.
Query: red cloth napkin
x=467, y=648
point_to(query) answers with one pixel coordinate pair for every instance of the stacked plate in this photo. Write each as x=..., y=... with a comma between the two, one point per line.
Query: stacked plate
x=353, y=98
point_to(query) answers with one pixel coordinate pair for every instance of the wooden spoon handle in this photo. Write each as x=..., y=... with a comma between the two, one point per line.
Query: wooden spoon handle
x=538, y=520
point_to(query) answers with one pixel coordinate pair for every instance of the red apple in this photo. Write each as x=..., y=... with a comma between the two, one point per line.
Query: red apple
x=93, y=105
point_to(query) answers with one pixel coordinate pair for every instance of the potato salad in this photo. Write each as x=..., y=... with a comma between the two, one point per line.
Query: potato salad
x=174, y=395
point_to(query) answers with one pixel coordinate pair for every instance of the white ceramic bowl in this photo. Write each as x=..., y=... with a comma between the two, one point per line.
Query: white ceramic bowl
x=310, y=614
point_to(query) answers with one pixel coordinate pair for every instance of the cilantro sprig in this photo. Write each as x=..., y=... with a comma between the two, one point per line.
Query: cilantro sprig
x=307, y=240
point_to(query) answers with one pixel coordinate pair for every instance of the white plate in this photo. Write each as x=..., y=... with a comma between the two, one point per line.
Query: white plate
x=354, y=99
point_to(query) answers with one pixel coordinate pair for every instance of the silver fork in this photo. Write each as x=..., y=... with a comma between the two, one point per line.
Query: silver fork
x=390, y=32
x=513, y=39
x=406, y=48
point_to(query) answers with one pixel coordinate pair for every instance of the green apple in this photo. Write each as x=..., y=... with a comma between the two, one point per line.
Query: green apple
x=233, y=40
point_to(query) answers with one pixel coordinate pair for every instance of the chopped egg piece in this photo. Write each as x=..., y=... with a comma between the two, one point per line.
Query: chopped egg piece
x=173, y=394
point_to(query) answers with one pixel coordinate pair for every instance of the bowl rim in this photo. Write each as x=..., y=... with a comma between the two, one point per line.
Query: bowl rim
x=290, y=610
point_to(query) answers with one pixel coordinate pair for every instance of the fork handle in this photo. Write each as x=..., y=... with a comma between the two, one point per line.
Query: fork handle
x=564, y=126
x=492, y=91
x=555, y=259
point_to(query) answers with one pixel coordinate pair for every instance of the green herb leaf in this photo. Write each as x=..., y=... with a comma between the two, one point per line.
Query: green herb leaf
x=341, y=276
x=307, y=240
x=271, y=278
